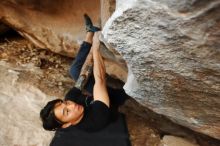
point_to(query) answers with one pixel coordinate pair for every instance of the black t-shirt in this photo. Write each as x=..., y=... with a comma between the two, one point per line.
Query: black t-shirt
x=96, y=117
x=96, y=113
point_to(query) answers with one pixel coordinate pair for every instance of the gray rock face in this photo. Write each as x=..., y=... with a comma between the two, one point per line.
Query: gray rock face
x=173, y=54
x=20, y=105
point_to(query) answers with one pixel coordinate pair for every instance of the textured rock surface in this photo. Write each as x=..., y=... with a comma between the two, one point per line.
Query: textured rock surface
x=20, y=105
x=176, y=141
x=56, y=25
x=107, y=8
x=173, y=54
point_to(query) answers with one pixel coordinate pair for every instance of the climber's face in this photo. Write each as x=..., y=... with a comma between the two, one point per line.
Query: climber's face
x=68, y=112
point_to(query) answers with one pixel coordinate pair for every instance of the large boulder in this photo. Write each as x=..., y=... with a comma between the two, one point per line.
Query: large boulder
x=172, y=51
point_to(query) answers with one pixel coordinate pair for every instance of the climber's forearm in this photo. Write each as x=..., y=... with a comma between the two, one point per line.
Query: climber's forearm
x=100, y=91
x=99, y=67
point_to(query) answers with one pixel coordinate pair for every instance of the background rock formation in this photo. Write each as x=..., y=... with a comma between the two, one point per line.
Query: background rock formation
x=172, y=51
x=50, y=24
x=59, y=25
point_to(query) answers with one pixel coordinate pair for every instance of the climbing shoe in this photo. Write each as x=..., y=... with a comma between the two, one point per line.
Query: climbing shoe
x=89, y=24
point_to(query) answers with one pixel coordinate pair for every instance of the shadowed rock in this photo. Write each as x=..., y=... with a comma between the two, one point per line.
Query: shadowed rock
x=56, y=25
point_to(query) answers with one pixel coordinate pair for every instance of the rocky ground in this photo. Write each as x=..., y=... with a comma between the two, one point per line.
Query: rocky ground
x=54, y=80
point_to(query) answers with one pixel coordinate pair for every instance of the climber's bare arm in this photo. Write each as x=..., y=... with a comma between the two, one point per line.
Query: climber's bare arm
x=99, y=91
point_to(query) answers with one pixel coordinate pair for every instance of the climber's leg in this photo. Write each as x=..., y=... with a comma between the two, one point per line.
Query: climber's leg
x=84, y=49
x=77, y=64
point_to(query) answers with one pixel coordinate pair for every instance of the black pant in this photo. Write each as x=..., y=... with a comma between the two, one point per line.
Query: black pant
x=117, y=96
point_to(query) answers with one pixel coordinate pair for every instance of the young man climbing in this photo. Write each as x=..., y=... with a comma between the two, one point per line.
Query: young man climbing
x=88, y=113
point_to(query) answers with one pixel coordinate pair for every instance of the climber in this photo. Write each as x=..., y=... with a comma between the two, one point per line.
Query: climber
x=90, y=112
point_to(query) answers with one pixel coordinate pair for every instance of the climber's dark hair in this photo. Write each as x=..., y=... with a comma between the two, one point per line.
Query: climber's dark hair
x=50, y=122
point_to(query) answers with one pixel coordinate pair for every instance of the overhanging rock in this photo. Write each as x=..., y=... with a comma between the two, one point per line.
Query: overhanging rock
x=59, y=25
x=172, y=51
x=55, y=25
